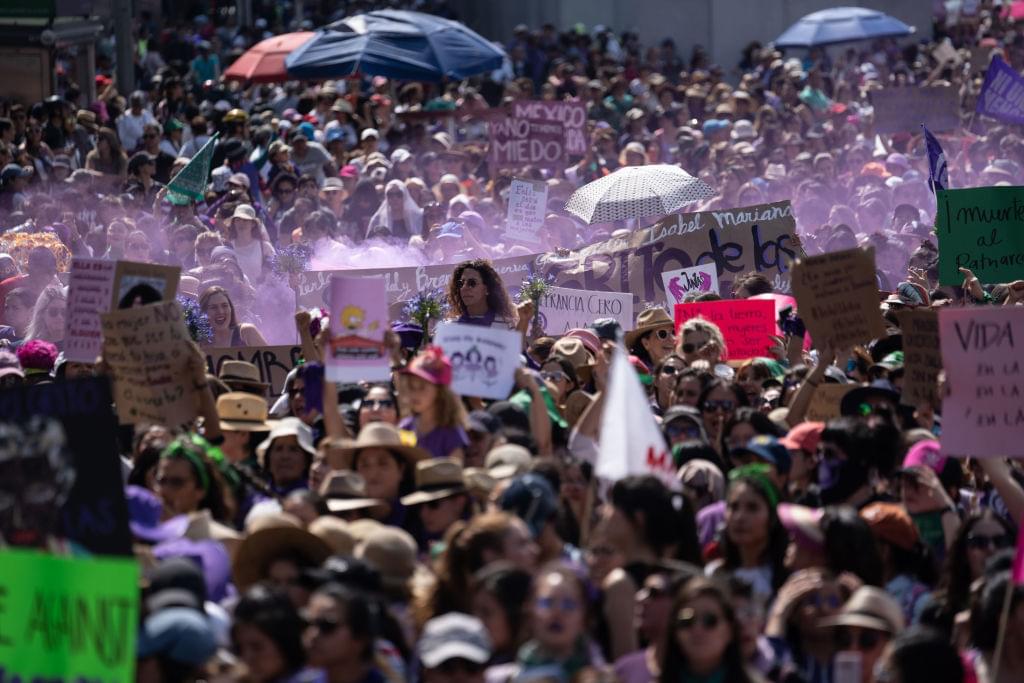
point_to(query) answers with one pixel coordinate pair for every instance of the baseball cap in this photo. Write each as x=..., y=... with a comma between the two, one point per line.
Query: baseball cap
x=804, y=437
x=531, y=498
x=507, y=460
x=179, y=634
x=769, y=449
x=369, y=133
x=12, y=171
x=453, y=636
x=483, y=422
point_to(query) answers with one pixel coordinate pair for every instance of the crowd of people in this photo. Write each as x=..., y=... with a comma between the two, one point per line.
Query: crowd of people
x=397, y=531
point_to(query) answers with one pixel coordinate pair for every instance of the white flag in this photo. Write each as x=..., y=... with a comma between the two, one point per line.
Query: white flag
x=631, y=442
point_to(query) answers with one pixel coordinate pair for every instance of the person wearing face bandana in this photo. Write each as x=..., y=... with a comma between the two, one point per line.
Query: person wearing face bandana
x=846, y=469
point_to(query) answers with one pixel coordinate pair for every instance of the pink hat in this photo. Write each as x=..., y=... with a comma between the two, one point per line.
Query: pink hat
x=804, y=437
x=803, y=524
x=925, y=453
x=37, y=356
x=431, y=365
x=591, y=342
x=349, y=171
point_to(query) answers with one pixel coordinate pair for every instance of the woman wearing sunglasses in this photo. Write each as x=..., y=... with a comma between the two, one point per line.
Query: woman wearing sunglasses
x=478, y=297
x=666, y=372
x=701, y=339
x=653, y=338
x=704, y=638
x=340, y=635
x=718, y=403
x=379, y=405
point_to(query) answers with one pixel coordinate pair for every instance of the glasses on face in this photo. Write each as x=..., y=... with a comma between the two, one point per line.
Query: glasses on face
x=561, y=604
x=169, y=482
x=725, y=405
x=378, y=404
x=860, y=639
x=324, y=625
x=557, y=376
x=296, y=390
x=690, y=347
x=670, y=370
x=689, y=618
x=662, y=334
x=468, y=283
x=983, y=542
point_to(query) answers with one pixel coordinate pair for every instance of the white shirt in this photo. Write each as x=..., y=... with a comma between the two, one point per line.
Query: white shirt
x=130, y=128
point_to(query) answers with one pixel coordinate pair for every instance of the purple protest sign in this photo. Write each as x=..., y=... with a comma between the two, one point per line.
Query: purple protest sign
x=1002, y=94
x=572, y=116
x=519, y=142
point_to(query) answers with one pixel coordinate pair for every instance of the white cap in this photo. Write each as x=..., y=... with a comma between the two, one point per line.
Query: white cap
x=369, y=133
x=454, y=636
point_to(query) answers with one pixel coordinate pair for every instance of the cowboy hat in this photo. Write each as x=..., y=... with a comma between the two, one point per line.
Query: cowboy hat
x=242, y=412
x=869, y=607
x=379, y=435
x=240, y=373
x=575, y=351
x=648, y=321
x=436, y=479
x=345, y=491
x=273, y=536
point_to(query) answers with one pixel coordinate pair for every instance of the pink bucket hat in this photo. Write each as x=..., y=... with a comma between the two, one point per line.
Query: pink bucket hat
x=431, y=365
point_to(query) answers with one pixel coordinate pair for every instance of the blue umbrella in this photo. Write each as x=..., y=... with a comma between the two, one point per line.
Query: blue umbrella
x=409, y=46
x=841, y=25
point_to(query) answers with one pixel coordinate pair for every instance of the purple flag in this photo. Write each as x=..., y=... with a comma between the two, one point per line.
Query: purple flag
x=938, y=174
x=1002, y=94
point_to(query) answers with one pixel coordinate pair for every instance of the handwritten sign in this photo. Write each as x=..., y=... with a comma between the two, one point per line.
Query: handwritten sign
x=90, y=287
x=981, y=228
x=359, y=319
x=983, y=354
x=905, y=109
x=517, y=142
x=838, y=297
x=147, y=347
x=95, y=514
x=1001, y=93
x=747, y=324
x=484, y=359
x=67, y=618
x=826, y=400
x=702, y=279
x=922, y=359
x=564, y=309
x=134, y=281
x=527, y=207
x=273, y=362
x=571, y=115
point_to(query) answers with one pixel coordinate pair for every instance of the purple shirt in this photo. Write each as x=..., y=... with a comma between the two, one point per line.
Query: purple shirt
x=441, y=441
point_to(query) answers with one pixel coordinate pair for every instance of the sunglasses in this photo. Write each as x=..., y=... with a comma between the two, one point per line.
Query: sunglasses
x=469, y=283
x=865, y=640
x=981, y=542
x=689, y=618
x=324, y=625
x=724, y=405
x=557, y=376
x=670, y=370
x=377, y=404
x=561, y=604
x=662, y=334
x=296, y=391
x=689, y=347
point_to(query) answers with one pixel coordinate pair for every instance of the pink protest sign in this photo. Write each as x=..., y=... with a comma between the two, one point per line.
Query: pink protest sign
x=983, y=356
x=746, y=324
x=359, y=319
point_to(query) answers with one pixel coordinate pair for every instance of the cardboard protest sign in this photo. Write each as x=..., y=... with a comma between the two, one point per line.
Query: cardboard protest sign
x=747, y=324
x=572, y=116
x=273, y=362
x=517, y=142
x=922, y=359
x=359, y=319
x=563, y=309
x=527, y=207
x=905, y=109
x=983, y=355
x=838, y=297
x=484, y=359
x=67, y=618
x=94, y=513
x=702, y=279
x=148, y=350
x=1002, y=93
x=825, y=401
x=981, y=228
x=132, y=280
x=90, y=288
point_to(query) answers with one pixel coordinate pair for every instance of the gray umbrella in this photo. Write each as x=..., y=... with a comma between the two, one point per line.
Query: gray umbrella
x=637, y=192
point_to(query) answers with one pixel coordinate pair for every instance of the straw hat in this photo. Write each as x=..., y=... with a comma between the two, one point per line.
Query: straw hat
x=574, y=350
x=507, y=461
x=379, y=435
x=869, y=607
x=436, y=479
x=648, y=321
x=289, y=426
x=242, y=412
x=392, y=552
x=334, y=532
x=345, y=491
x=274, y=536
x=240, y=373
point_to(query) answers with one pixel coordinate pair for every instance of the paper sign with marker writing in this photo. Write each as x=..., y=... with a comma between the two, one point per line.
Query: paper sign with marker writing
x=67, y=618
x=359, y=320
x=527, y=207
x=702, y=279
x=922, y=359
x=148, y=349
x=484, y=359
x=747, y=325
x=825, y=401
x=89, y=290
x=563, y=309
x=983, y=355
x=981, y=228
x=838, y=297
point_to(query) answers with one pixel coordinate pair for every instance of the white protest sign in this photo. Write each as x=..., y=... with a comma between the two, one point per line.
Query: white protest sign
x=89, y=289
x=484, y=359
x=563, y=309
x=702, y=279
x=527, y=206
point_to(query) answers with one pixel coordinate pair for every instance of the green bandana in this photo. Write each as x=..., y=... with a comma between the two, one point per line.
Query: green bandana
x=177, y=449
x=758, y=472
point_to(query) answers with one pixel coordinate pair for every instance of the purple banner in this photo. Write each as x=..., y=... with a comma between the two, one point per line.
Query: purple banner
x=1002, y=94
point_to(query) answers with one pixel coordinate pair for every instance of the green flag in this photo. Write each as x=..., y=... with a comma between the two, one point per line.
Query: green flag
x=191, y=180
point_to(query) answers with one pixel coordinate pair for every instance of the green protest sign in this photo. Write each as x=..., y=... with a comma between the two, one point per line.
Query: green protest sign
x=981, y=228
x=191, y=180
x=67, y=618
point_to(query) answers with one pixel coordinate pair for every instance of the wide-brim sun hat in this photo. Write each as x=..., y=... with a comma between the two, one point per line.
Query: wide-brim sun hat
x=379, y=435
x=279, y=535
x=648, y=321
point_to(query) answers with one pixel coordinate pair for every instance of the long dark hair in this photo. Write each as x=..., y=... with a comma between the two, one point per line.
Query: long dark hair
x=850, y=546
x=674, y=663
x=668, y=520
x=215, y=499
x=956, y=578
x=272, y=613
x=778, y=539
x=510, y=588
x=497, y=298
x=362, y=614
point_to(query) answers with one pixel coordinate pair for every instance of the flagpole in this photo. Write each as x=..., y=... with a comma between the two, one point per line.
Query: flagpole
x=1004, y=617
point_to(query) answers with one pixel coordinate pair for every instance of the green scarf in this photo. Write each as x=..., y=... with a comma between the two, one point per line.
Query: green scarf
x=532, y=656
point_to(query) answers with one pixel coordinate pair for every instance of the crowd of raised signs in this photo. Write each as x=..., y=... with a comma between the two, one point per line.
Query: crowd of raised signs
x=290, y=394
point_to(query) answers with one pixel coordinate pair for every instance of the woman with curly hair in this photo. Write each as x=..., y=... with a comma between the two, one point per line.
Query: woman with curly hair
x=478, y=297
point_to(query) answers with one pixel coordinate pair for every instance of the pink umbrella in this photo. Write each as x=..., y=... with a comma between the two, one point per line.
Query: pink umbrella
x=264, y=61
